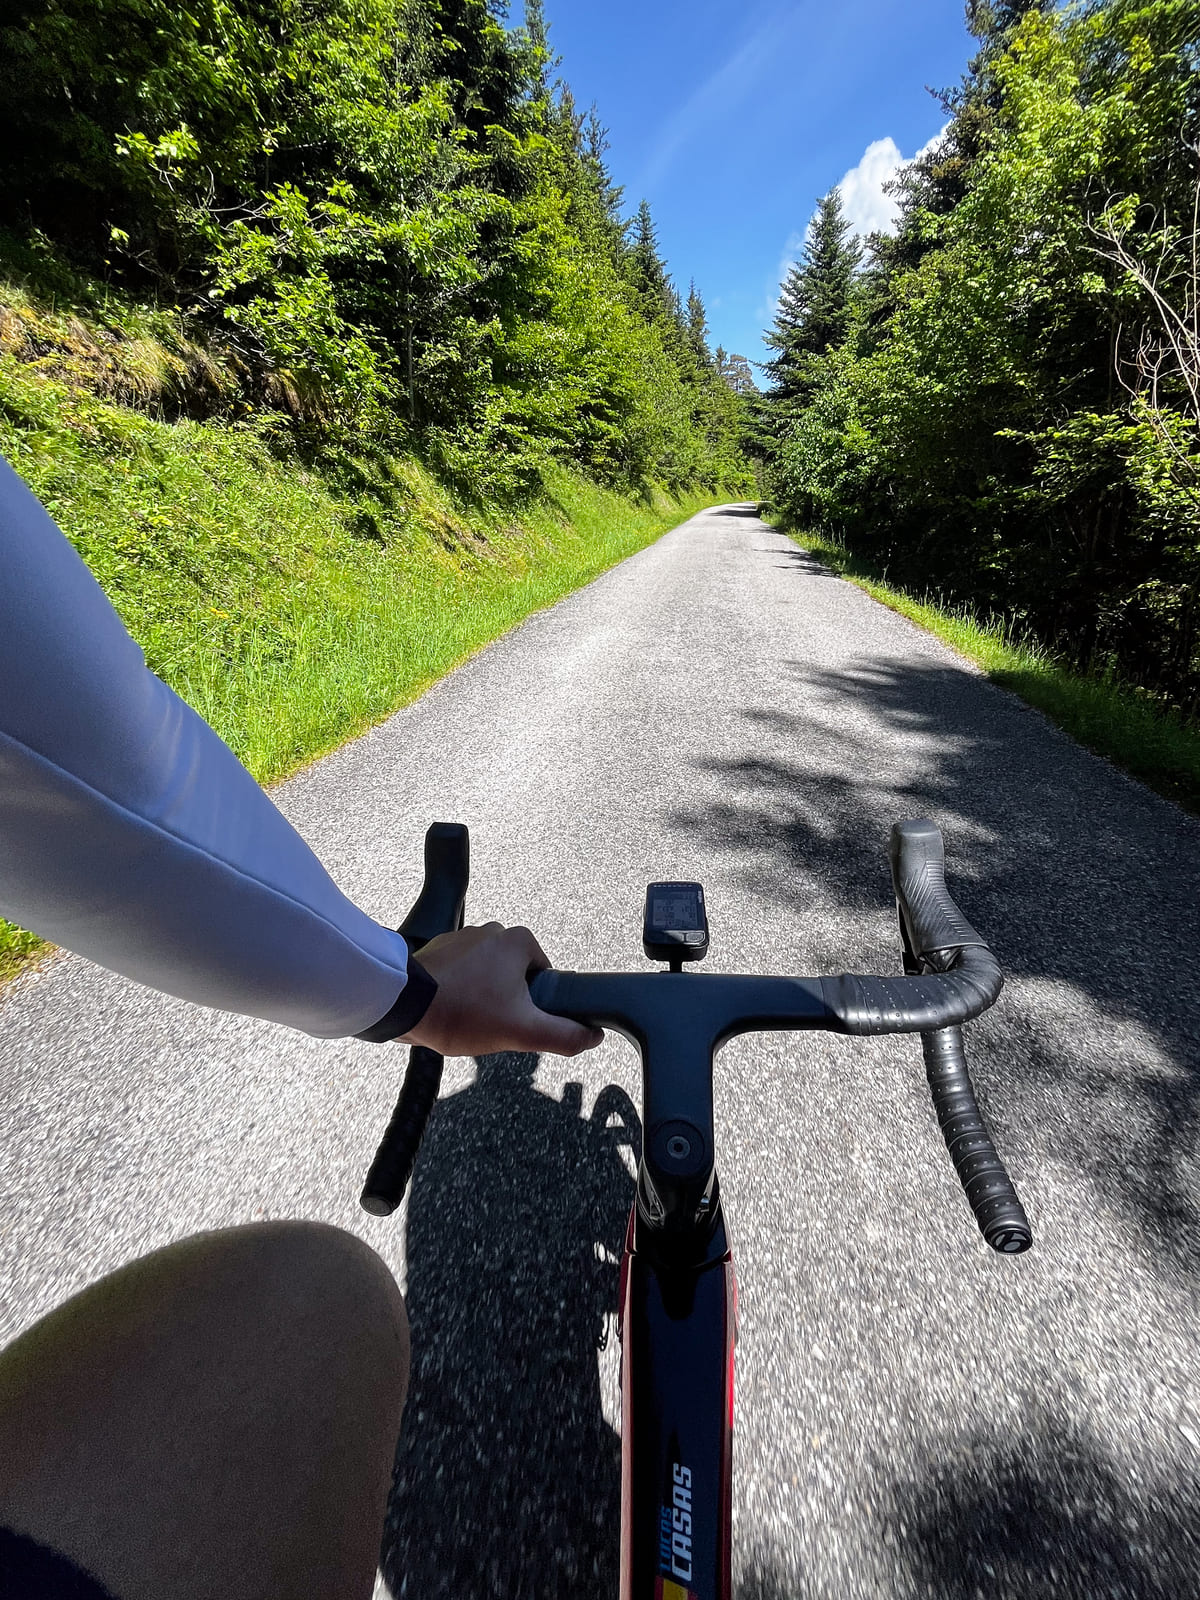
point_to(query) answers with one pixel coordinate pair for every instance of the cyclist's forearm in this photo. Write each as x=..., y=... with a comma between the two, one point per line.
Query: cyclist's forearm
x=130, y=833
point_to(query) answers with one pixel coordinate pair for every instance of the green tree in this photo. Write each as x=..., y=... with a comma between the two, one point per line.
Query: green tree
x=402, y=233
x=697, y=326
x=538, y=31
x=1018, y=428
x=814, y=303
x=736, y=371
x=645, y=266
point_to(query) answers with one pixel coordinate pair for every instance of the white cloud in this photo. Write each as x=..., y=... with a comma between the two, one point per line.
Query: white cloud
x=868, y=209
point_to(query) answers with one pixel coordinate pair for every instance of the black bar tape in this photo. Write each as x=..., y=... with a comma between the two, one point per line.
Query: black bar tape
x=915, y=1005
x=439, y=908
x=989, y=1190
x=394, y=1160
x=950, y=974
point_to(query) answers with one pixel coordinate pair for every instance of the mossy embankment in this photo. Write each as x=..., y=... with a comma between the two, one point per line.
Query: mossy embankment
x=293, y=605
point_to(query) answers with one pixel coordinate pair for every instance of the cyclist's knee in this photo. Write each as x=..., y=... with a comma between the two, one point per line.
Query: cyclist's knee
x=268, y=1361
x=325, y=1256
x=310, y=1271
x=303, y=1287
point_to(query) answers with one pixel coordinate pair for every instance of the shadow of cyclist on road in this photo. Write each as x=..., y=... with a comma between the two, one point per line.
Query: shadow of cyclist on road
x=507, y=1474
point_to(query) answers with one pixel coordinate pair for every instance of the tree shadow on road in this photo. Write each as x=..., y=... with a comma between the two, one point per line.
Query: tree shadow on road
x=1074, y=873
x=1043, y=1514
x=1048, y=1516
x=507, y=1477
x=801, y=562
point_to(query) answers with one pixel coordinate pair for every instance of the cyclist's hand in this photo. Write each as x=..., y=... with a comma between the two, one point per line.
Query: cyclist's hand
x=482, y=1002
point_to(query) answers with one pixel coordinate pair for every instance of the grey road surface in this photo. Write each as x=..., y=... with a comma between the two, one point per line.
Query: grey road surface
x=915, y=1416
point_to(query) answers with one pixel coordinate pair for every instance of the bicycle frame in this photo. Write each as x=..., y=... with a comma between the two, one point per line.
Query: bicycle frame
x=677, y=1310
x=678, y=1328
x=677, y=1303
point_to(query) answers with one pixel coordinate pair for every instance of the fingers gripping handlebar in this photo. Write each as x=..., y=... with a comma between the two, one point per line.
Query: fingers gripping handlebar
x=950, y=977
x=439, y=909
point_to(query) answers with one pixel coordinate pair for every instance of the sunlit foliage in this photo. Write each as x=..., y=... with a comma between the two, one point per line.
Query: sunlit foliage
x=1012, y=415
x=382, y=210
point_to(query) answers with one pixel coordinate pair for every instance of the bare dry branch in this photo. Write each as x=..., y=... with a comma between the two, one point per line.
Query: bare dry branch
x=1165, y=264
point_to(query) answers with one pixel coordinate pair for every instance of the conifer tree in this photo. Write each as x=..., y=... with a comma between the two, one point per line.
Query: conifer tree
x=697, y=326
x=647, y=270
x=537, y=30
x=736, y=371
x=536, y=26
x=594, y=136
x=814, y=303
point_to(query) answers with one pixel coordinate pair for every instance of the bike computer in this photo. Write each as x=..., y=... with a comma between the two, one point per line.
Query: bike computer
x=675, y=928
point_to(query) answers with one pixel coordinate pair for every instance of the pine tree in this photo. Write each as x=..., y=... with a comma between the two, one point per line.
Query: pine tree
x=658, y=299
x=697, y=326
x=536, y=26
x=814, y=303
x=537, y=30
x=992, y=20
x=647, y=270
x=593, y=136
x=736, y=371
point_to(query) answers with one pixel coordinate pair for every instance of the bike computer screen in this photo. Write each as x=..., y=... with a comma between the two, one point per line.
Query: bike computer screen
x=675, y=926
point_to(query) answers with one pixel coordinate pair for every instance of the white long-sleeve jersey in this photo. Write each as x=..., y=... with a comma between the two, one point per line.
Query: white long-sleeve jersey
x=131, y=833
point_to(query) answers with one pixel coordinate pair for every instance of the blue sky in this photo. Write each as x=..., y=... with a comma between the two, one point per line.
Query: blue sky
x=733, y=116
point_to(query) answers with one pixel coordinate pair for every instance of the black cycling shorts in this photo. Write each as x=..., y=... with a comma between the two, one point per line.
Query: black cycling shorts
x=32, y=1571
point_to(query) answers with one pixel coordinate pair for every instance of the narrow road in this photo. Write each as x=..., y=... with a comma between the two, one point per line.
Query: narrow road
x=915, y=1416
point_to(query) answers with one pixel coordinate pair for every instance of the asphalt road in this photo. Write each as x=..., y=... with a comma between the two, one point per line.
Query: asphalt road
x=915, y=1416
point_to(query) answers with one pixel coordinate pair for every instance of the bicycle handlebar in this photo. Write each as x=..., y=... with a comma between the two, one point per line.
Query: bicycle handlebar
x=950, y=977
x=439, y=908
x=935, y=935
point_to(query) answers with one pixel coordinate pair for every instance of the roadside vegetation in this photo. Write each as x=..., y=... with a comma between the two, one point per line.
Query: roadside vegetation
x=291, y=606
x=1107, y=715
x=997, y=408
x=328, y=340
x=374, y=225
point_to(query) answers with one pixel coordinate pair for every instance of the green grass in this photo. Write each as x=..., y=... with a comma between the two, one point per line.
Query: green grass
x=1108, y=717
x=293, y=610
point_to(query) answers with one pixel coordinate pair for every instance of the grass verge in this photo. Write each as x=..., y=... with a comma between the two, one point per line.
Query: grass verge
x=293, y=610
x=1110, y=718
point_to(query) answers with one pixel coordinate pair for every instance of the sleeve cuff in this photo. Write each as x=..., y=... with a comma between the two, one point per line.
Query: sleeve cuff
x=413, y=1002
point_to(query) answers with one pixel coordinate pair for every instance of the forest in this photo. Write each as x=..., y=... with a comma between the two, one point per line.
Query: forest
x=329, y=341
x=381, y=226
x=1000, y=402
x=381, y=230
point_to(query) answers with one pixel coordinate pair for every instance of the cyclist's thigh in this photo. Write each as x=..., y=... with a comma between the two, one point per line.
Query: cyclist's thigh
x=218, y=1418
